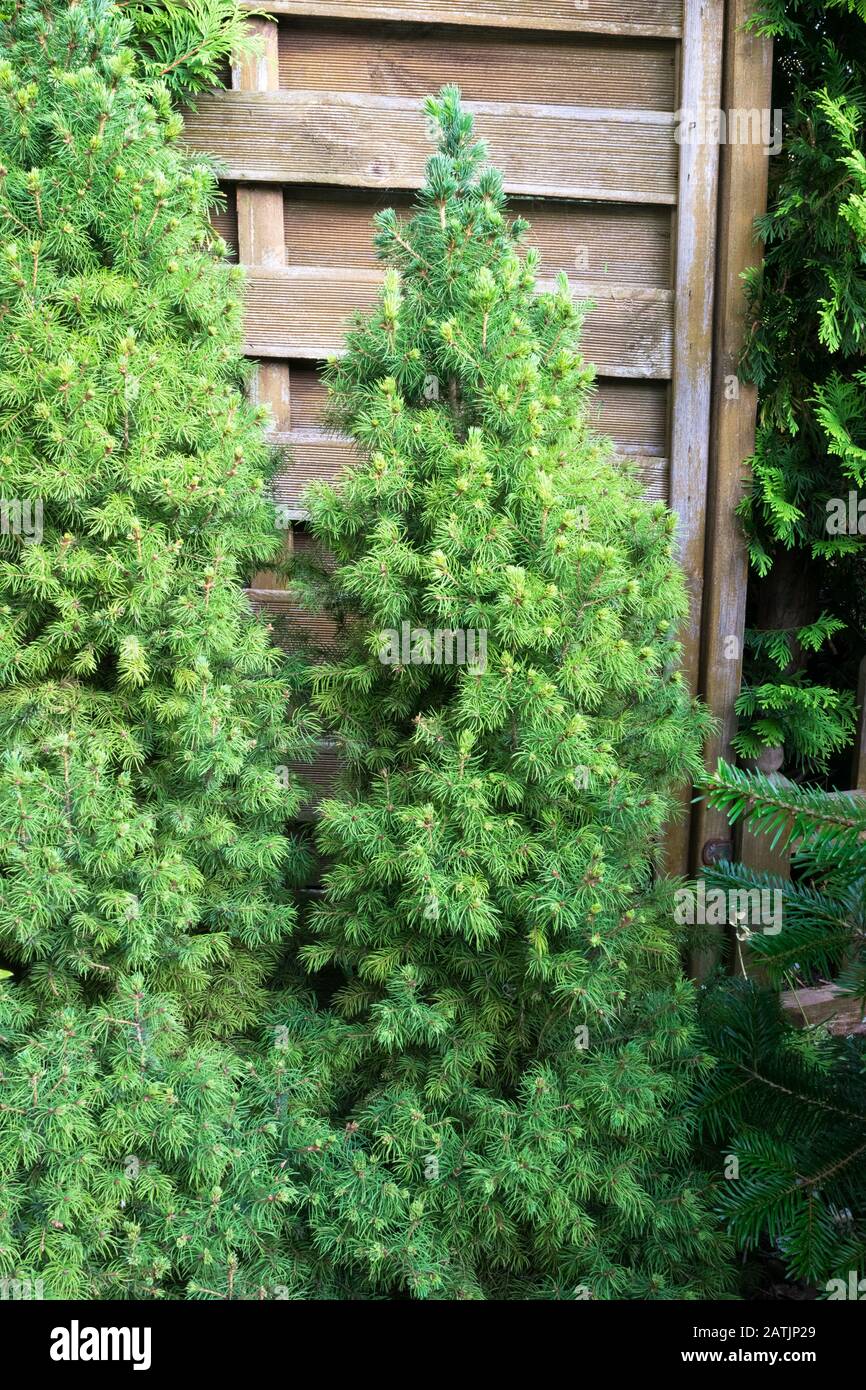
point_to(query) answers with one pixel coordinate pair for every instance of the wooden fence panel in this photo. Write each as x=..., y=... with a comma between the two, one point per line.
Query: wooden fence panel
x=343, y=136
x=644, y=18
x=743, y=183
x=353, y=140
x=487, y=66
x=581, y=105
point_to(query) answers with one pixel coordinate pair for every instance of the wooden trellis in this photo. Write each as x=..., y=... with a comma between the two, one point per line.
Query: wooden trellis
x=580, y=102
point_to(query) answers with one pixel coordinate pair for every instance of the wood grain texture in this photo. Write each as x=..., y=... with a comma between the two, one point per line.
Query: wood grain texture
x=841, y=1015
x=313, y=454
x=693, y=335
x=259, y=71
x=385, y=61
x=621, y=244
x=643, y=17
x=633, y=413
x=302, y=311
x=309, y=396
x=355, y=140
x=743, y=175
x=260, y=233
x=694, y=276
x=858, y=760
x=334, y=227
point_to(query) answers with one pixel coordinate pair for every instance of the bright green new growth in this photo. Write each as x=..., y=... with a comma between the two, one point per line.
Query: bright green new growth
x=518, y=1042
x=495, y=1102
x=142, y=707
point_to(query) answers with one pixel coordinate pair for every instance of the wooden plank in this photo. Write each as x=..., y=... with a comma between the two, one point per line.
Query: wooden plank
x=858, y=761
x=645, y=18
x=332, y=226
x=309, y=396
x=632, y=412
x=841, y=1015
x=294, y=625
x=303, y=311
x=487, y=66
x=693, y=331
x=261, y=244
x=261, y=238
x=310, y=456
x=354, y=140
x=313, y=454
x=695, y=263
x=742, y=198
x=620, y=244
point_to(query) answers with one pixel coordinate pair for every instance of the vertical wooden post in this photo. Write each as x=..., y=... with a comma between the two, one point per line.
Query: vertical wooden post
x=858, y=762
x=261, y=232
x=742, y=197
x=700, y=90
x=756, y=850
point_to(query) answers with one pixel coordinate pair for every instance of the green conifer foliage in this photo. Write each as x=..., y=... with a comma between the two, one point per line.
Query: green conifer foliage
x=806, y=317
x=143, y=711
x=790, y=1103
x=517, y=1041
x=187, y=44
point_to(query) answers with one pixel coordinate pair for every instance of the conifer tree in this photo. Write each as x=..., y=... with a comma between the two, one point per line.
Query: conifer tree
x=516, y=1046
x=790, y=1103
x=143, y=710
x=806, y=312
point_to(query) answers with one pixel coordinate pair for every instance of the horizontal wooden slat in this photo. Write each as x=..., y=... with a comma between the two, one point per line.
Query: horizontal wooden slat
x=642, y=17
x=363, y=141
x=334, y=227
x=293, y=624
x=224, y=221
x=634, y=413
x=385, y=61
x=310, y=456
x=301, y=311
x=841, y=1015
x=313, y=455
x=309, y=396
x=621, y=244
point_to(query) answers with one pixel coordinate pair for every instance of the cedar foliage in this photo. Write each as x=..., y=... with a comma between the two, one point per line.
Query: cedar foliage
x=187, y=44
x=806, y=315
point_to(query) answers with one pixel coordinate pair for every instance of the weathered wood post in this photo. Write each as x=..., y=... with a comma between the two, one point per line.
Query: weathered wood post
x=742, y=197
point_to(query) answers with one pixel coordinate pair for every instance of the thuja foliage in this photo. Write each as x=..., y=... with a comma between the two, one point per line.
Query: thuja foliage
x=807, y=311
x=790, y=1103
x=782, y=705
x=186, y=44
x=515, y=1040
x=143, y=711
